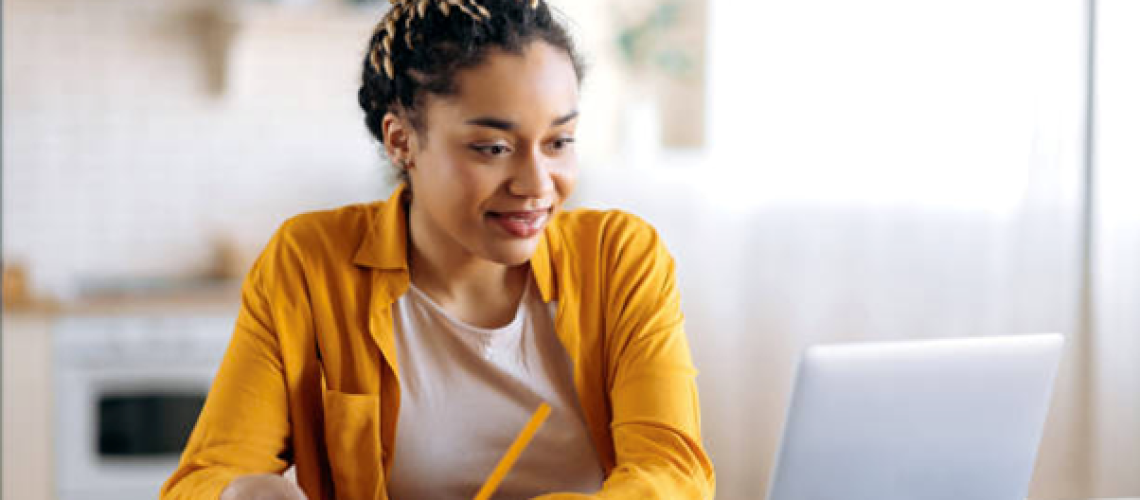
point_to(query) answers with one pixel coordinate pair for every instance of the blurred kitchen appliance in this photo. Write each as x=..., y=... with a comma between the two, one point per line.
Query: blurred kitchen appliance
x=128, y=392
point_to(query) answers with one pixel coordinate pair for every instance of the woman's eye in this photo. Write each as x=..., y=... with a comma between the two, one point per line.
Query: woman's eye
x=562, y=143
x=492, y=149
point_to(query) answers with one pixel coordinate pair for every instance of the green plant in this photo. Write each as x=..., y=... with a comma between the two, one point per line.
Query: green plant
x=646, y=43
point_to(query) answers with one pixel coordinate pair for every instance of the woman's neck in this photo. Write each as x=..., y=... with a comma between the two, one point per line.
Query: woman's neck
x=458, y=279
x=476, y=290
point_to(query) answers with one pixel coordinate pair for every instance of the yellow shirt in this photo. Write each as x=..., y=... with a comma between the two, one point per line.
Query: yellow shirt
x=311, y=375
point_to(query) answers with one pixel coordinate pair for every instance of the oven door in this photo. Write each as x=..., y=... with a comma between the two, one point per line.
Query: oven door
x=122, y=430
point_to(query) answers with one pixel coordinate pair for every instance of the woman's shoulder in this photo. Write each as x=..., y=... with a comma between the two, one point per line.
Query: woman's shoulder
x=611, y=229
x=336, y=225
x=347, y=220
x=600, y=219
x=332, y=234
x=598, y=250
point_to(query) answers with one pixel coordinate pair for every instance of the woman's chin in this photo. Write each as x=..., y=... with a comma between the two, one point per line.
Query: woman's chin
x=512, y=253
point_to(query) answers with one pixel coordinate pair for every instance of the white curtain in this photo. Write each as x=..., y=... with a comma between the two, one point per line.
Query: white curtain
x=893, y=169
x=1115, y=267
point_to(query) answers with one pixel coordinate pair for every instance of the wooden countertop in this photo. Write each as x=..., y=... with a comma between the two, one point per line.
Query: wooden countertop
x=197, y=298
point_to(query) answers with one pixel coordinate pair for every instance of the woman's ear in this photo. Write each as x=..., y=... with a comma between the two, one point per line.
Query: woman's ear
x=399, y=139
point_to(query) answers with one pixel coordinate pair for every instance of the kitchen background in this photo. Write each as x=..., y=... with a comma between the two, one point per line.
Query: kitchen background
x=823, y=170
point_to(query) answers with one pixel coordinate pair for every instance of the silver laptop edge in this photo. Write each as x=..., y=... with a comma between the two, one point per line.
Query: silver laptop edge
x=947, y=419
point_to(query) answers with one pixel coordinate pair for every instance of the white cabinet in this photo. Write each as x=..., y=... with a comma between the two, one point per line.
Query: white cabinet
x=27, y=407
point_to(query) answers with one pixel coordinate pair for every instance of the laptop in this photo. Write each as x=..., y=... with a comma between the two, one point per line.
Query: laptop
x=957, y=419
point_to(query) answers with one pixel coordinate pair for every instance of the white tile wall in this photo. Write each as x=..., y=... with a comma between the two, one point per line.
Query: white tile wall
x=123, y=156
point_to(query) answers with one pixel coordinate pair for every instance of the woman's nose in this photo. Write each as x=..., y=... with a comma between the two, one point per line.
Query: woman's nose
x=531, y=177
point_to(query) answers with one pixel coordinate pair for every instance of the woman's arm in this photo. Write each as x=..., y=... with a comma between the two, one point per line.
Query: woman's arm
x=244, y=426
x=651, y=379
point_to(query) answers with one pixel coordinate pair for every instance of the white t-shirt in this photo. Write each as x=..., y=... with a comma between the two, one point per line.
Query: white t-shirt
x=466, y=392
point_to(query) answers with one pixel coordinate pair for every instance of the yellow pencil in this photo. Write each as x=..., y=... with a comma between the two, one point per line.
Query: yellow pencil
x=504, y=466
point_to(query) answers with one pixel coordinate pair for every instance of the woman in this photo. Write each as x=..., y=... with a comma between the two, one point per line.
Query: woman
x=395, y=349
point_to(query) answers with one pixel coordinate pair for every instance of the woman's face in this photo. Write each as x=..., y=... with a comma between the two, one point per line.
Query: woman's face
x=495, y=161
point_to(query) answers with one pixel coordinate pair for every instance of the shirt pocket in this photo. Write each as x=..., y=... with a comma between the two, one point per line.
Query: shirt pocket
x=352, y=435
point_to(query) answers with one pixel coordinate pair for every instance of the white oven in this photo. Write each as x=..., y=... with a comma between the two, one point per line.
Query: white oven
x=128, y=391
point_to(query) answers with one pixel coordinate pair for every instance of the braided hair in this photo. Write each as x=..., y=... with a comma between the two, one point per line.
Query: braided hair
x=420, y=46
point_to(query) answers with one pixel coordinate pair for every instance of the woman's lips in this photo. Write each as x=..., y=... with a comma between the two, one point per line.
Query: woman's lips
x=521, y=224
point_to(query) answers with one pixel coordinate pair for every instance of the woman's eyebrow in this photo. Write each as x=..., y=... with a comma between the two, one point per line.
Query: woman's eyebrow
x=507, y=125
x=569, y=116
x=491, y=122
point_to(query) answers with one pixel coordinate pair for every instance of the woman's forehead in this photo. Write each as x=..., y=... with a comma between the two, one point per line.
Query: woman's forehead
x=540, y=82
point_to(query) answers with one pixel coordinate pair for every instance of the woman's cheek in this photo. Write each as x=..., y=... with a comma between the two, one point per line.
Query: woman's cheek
x=566, y=175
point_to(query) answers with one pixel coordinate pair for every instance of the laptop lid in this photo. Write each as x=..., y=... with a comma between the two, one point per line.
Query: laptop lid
x=917, y=420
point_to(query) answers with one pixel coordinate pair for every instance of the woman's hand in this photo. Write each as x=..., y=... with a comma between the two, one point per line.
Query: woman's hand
x=262, y=487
